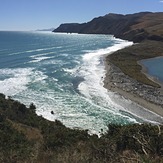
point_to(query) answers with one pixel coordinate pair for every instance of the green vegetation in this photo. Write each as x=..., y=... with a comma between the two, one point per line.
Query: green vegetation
x=26, y=137
x=127, y=59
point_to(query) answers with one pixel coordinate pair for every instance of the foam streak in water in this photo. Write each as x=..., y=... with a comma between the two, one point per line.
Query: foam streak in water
x=34, y=50
x=17, y=80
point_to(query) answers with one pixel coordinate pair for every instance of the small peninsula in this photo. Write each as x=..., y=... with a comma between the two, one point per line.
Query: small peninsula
x=125, y=74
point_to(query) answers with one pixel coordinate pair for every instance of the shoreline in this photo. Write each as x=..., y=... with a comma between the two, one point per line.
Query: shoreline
x=116, y=81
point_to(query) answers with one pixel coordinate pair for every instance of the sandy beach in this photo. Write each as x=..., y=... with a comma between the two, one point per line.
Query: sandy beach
x=120, y=83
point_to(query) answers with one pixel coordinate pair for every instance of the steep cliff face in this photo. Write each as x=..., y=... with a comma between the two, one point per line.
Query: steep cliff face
x=135, y=27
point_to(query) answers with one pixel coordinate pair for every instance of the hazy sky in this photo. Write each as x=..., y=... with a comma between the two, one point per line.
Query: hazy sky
x=40, y=14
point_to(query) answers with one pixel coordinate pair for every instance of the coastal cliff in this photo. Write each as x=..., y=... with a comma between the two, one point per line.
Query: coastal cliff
x=134, y=27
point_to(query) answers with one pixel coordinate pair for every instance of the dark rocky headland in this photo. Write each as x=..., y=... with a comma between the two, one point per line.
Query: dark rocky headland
x=134, y=27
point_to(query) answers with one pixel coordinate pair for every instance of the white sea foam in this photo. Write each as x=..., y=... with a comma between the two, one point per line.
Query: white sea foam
x=42, y=54
x=16, y=83
x=98, y=53
x=85, y=91
x=70, y=71
x=53, y=62
x=18, y=79
x=93, y=72
x=34, y=50
x=64, y=55
x=38, y=59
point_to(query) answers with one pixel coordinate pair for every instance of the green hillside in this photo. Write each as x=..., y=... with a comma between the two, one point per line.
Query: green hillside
x=26, y=137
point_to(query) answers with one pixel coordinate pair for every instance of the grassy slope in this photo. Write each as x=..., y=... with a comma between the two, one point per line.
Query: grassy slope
x=26, y=137
x=152, y=23
x=126, y=59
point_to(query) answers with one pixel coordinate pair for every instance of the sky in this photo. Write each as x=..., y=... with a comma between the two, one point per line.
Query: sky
x=43, y=14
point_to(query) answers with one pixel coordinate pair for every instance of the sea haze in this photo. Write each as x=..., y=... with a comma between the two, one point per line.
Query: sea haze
x=64, y=73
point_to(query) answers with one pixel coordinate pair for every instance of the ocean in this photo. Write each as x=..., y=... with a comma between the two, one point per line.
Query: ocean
x=64, y=73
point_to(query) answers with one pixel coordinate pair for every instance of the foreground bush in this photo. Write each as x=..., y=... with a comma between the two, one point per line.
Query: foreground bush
x=26, y=137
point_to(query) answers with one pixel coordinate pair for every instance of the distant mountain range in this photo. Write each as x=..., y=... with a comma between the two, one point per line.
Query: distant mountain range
x=134, y=27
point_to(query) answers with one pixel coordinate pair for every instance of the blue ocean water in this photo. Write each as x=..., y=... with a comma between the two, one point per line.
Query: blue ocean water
x=64, y=73
x=154, y=67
